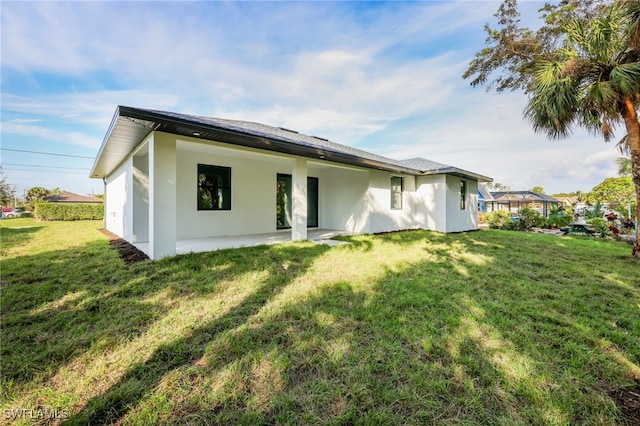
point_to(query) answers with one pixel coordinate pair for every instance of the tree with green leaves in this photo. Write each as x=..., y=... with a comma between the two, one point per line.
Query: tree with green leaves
x=6, y=194
x=35, y=194
x=538, y=189
x=581, y=68
x=497, y=186
x=616, y=190
x=624, y=166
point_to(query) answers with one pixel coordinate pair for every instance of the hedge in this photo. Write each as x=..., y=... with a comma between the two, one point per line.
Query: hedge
x=69, y=211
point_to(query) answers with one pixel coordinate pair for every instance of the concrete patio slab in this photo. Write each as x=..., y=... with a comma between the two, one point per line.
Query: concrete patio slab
x=322, y=236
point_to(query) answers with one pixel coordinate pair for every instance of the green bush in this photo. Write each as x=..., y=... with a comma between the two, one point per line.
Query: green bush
x=558, y=220
x=601, y=225
x=559, y=217
x=69, y=211
x=481, y=218
x=529, y=218
x=596, y=212
x=499, y=219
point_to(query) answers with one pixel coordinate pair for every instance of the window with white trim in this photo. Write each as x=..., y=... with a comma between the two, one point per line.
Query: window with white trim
x=463, y=195
x=396, y=193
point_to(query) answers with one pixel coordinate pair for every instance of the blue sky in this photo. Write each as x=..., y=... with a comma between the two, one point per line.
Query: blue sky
x=384, y=77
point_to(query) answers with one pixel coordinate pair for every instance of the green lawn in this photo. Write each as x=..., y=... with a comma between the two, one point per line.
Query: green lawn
x=488, y=327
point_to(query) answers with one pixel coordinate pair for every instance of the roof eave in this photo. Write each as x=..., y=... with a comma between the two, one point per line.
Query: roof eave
x=212, y=132
x=458, y=172
x=114, y=120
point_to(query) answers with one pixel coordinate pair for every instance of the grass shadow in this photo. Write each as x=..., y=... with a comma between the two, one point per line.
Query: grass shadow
x=280, y=265
x=480, y=328
x=418, y=347
x=61, y=305
x=11, y=237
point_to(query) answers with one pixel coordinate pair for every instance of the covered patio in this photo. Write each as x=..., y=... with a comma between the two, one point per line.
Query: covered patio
x=197, y=245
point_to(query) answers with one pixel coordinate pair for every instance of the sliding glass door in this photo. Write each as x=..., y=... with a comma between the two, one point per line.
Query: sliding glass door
x=283, y=202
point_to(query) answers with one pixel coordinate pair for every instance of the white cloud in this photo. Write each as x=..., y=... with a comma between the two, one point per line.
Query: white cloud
x=88, y=108
x=73, y=138
x=383, y=77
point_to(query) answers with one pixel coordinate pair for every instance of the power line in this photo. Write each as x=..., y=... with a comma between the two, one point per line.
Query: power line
x=46, y=153
x=47, y=171
x=36, y=165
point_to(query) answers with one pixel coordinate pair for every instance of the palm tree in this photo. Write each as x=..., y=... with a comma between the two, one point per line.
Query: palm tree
x=593, y=81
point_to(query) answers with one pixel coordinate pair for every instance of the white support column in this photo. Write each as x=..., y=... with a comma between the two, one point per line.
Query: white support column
x=127, y=219
x=162, y=196
x=299, y=196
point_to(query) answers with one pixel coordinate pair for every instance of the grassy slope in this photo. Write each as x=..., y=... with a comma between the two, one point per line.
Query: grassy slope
x=491, y=327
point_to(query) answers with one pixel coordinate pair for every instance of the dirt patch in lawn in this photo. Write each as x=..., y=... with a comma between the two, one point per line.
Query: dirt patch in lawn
x=628, y=400
x=128, y=252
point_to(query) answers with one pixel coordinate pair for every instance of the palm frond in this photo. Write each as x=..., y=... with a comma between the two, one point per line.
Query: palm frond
x=547, y=74
x=607, y=130
x=631, y=9
x=626, y=78
x=552, y=106
x=623, y=145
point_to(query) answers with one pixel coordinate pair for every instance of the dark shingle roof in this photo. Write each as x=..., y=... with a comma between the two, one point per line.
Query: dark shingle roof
x=70, y=197
x=131, y=125
x=522, y=195
x=281, y=133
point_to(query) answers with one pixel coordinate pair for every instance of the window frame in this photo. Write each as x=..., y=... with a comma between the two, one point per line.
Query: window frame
x=223, y=170
x=394, y=193
x=314, y=208
x=463, y=195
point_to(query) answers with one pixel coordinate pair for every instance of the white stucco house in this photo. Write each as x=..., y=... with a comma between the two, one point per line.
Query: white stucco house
x=171, y=178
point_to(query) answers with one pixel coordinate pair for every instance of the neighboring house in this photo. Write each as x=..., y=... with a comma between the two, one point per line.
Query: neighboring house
x=484, y=198
x=70, y=197
x=513, y=201
x=171, y=177
x=568, y=202
x=573, y=203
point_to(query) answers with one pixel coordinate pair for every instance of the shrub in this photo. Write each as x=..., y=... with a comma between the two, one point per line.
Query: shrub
x=69, y=211
x=600, y=224
x=499, y=219
x=596, y=212
x=529, y=218
x=558, y=220
x=628, y=223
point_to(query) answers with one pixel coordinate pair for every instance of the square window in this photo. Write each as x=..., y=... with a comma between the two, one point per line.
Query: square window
x=214, y=187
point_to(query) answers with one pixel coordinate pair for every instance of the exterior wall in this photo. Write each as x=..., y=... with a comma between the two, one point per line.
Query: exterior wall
x=351, y=199
x=253, y=195
x=458, y=220
x=359, y=201
x=343, y=195
x=431, y=202
x=379, y=214
x=118, y=206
